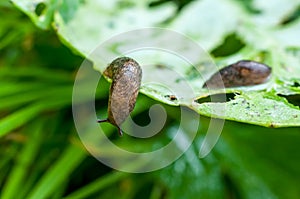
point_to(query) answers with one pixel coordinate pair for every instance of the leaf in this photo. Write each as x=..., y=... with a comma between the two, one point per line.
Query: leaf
x=40, y=12
x=255, y=164
x=288, y=36
x=197, y=19
x=265, y=109
x=190, y=173
x=273, y=11
x=99, y=20
x=83, y=25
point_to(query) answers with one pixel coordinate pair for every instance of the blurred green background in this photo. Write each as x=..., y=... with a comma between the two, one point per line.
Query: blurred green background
x=41, y=155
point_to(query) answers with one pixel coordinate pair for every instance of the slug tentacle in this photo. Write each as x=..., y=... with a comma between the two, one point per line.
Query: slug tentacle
x=106, y=120
x=126, y=75
x=100, y=121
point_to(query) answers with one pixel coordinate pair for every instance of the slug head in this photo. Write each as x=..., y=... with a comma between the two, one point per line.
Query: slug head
x=254, y=72
x=115, y=66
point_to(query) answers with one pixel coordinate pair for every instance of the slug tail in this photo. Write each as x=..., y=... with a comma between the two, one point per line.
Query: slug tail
x=120, y=131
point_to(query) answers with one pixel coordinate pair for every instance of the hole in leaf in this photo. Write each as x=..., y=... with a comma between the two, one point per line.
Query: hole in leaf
x=232, y=44
x=292, y=17
x=222, y=97
x=171, y=97
x=248, y=5
x=296, y=84
x=179, y=3
x=292, y=99
x=39, y=9
x=157, y=3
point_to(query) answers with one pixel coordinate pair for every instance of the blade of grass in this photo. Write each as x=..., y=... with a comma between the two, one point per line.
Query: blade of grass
x=49, y=93
x=37, y=72
x=18, y=118
x=156, y=192
x=60, y=192
x=97, y=185
x=25, y=160
x=56, y=175
x=7, y=156
x=3, y=173
x=18, y=99
x=12, y=87
x=53, y=125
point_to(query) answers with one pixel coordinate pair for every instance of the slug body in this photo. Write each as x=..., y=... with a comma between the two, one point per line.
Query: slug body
x=126, y=75
x=241, y=73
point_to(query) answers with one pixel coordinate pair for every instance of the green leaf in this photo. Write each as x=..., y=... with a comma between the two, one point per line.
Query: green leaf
x=263, y=165
x=40, y=12
x=83, y=25
x=194, y=177
x=265, y=109
x=205, y=21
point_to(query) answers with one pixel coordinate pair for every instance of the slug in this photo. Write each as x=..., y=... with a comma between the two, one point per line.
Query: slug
x=126, y=75
x=241, y=73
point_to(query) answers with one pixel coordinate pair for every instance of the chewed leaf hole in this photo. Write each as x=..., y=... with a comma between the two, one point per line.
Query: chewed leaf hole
x=296, y=84
x=171, y=97
x=292, y=17
x=292, y=99
x=39, y=9
x=222, y=97
x=232, y=44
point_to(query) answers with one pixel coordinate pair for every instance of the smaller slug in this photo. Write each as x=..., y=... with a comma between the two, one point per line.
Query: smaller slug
x=126, y=75
x=241, y=73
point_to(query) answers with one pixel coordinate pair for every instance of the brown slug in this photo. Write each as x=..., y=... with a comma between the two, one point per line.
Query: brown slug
x=126, y=75
x=241, y=73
